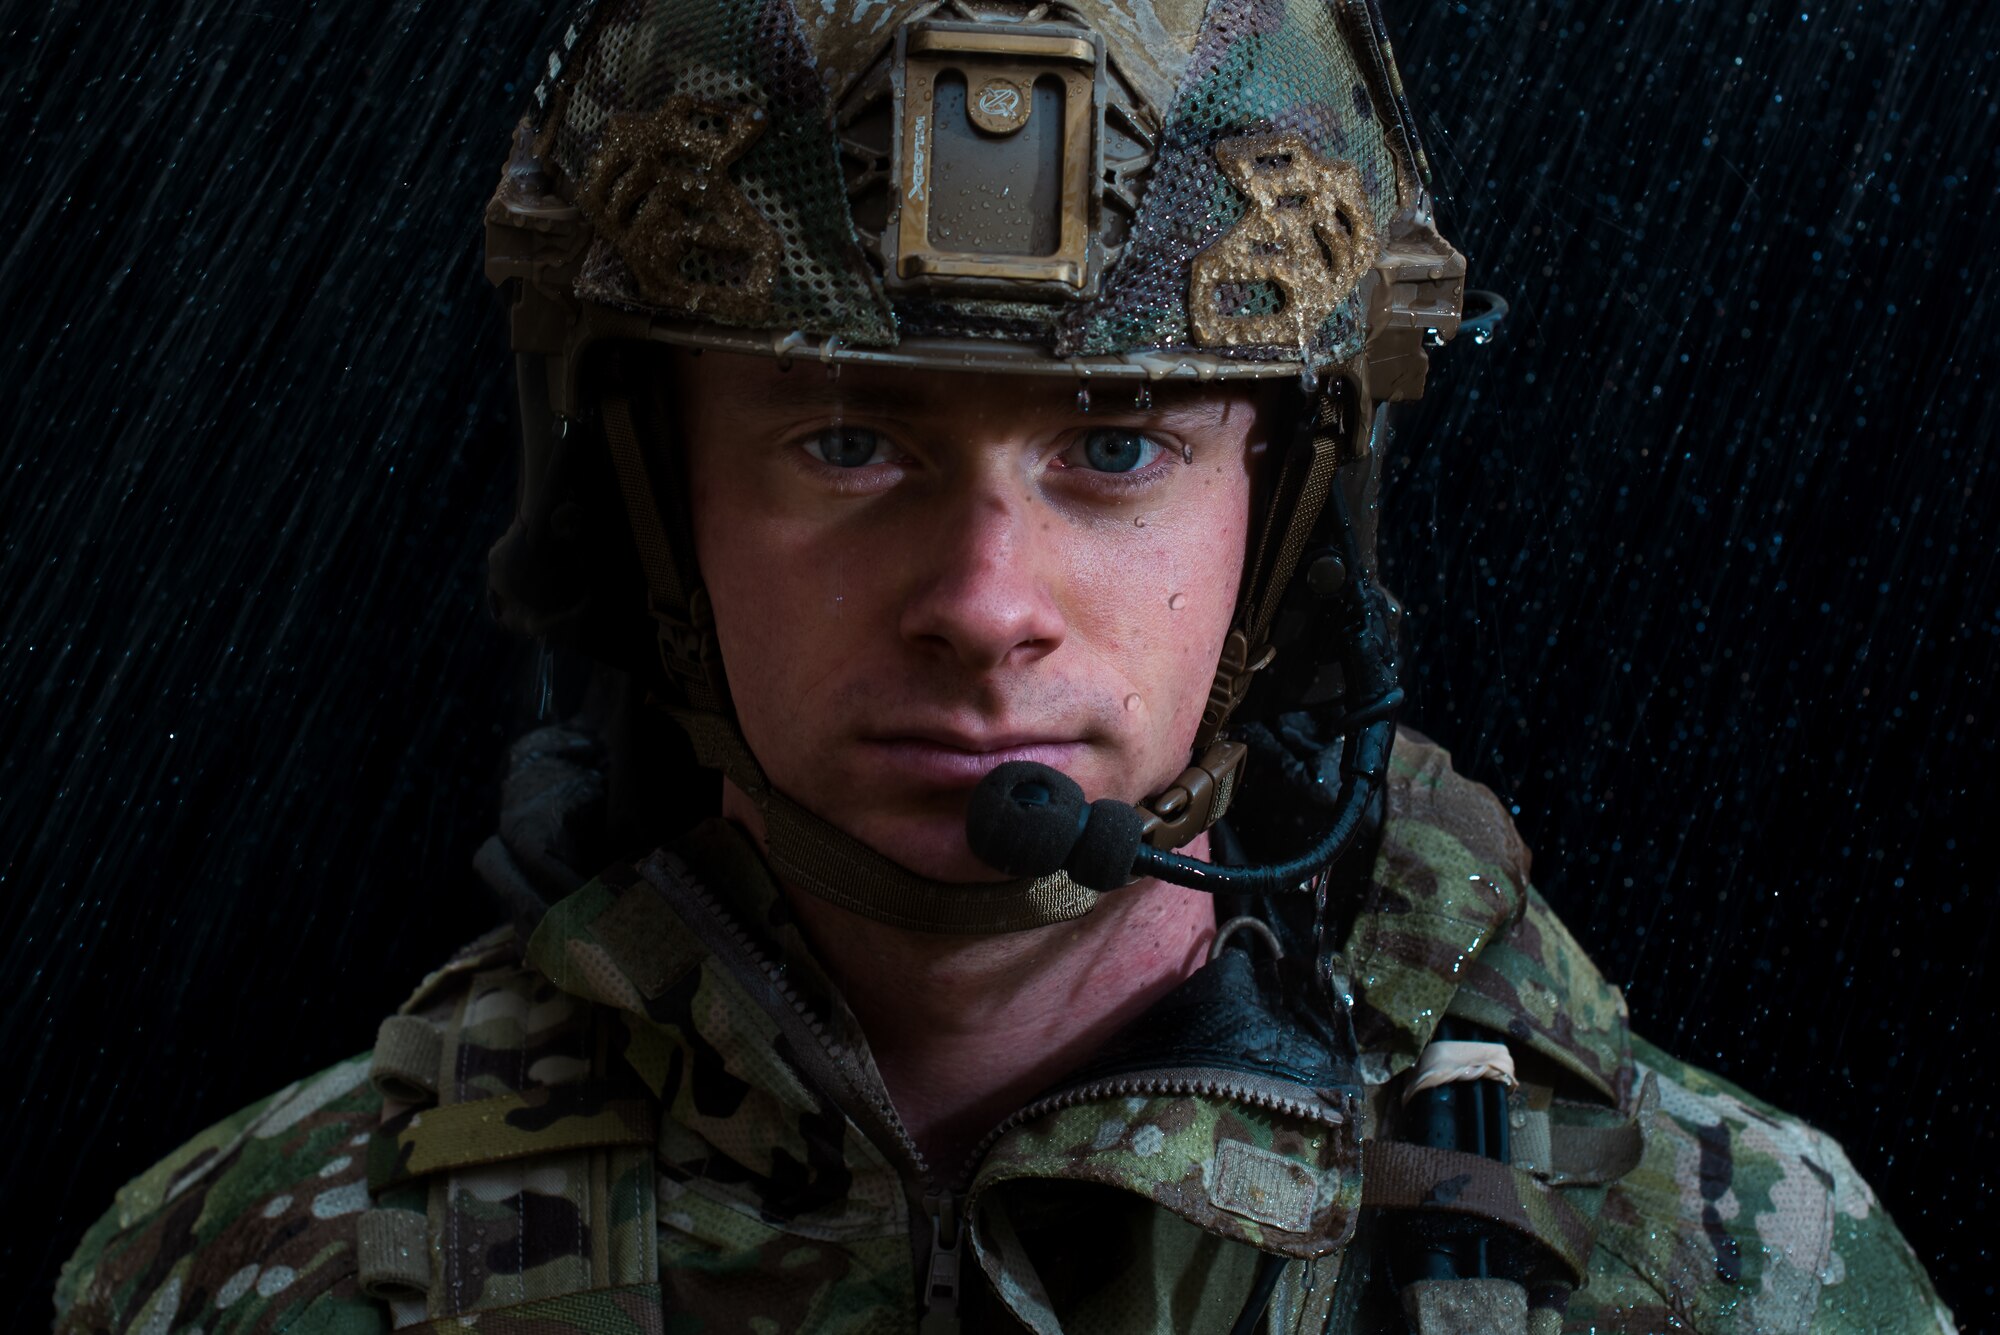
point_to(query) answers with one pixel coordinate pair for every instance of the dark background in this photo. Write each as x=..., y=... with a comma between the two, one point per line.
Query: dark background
x=1698, y=556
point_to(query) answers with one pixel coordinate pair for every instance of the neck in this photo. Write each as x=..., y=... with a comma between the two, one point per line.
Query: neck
x=965, y=1029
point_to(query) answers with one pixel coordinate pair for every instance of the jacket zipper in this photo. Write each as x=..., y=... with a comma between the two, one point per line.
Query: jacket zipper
x=941, y=1284
x=943, y=1206
x=1330, y=1108
x=827, y=1067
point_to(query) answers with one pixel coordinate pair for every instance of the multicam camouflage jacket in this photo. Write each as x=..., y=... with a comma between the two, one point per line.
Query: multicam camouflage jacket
x=654, y=1113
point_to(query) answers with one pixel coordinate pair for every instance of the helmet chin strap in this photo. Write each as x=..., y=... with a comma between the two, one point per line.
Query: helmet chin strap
x=819, y=857
x=814, y=855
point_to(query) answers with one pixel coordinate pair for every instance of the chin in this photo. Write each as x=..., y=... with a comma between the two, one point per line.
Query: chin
x=928, y=846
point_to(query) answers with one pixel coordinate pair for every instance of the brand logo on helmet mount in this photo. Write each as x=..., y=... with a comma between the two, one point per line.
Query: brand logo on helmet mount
x=920, y=169
x=1000, y=108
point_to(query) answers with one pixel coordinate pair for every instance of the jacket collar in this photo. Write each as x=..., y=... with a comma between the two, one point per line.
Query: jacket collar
x=1216, y=1063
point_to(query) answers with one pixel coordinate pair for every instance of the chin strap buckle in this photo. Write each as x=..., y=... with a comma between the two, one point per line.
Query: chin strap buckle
x=1197, y=799
x=689, y=651
x=1238, y=667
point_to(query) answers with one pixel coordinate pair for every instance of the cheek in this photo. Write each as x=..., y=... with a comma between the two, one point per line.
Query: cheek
x=1198, y=615
x=753, y=576
x=1160, y=604
x=790, y=599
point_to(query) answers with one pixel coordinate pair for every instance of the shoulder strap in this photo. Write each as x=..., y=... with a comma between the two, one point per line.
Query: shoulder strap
x=1400, y=1176
x=512, y=1175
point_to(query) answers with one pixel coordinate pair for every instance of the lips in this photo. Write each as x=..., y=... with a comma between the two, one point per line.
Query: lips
x=945, y=759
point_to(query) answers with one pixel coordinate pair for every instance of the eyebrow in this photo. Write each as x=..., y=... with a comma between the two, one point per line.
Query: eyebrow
x=819, y=393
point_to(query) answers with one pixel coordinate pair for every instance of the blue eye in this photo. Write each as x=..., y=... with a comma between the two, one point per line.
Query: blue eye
x=1110, y=450
x=846, y=446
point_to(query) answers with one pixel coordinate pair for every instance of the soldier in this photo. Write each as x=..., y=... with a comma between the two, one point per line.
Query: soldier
x=942, y=415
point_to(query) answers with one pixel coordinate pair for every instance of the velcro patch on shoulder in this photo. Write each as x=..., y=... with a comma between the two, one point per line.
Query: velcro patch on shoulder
x=1263, y=1186
x=1268, y=1179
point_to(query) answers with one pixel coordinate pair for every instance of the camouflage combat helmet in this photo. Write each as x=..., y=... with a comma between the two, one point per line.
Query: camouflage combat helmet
x=1118, y=191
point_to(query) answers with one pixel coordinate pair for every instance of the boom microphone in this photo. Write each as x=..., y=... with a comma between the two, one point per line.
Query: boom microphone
x=1029, y=819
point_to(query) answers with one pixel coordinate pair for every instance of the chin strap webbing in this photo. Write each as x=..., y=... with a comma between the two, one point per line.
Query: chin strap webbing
x=686, y=629
x=817, y=856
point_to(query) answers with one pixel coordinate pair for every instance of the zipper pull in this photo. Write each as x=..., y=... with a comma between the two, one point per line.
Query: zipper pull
x=941, y=1286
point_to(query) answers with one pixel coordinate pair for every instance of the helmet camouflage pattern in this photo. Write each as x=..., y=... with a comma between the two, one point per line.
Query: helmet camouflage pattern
x=1104, y=188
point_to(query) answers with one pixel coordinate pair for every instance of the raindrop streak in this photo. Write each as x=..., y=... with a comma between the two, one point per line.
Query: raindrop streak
x=1132, y=704
x=545, y=680
x=1144, y=398
x=1177, y=602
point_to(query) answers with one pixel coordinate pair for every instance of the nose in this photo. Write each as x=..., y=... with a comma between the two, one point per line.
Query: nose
x=986, y=595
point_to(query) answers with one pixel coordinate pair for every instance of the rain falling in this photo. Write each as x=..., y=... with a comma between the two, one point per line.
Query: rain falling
x=1696, y=555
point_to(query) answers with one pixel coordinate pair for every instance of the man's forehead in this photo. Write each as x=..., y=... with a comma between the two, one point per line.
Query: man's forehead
x=758, y=386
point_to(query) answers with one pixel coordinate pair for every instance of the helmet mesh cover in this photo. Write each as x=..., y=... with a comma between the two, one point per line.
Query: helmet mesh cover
x=1259, y=66
x=637, y=54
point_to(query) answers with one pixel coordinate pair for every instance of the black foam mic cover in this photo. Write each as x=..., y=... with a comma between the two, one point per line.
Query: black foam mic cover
x=1104, y=852
x=1025, y=817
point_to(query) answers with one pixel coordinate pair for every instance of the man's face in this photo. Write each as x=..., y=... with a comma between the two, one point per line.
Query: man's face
x=918, y=576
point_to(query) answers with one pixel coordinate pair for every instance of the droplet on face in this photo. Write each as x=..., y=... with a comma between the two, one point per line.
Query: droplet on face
x=1132, y=703
x=1139, y=522
x=1177, y=602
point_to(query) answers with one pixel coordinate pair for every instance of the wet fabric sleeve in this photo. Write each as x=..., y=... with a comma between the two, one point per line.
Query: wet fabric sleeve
x=1740, y=1218
x=247, y=1227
